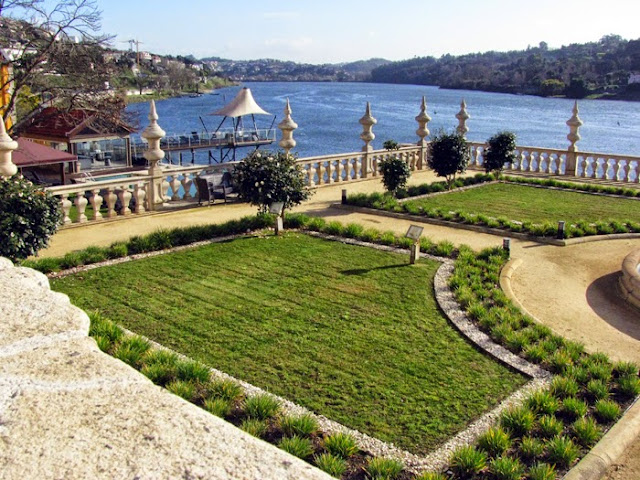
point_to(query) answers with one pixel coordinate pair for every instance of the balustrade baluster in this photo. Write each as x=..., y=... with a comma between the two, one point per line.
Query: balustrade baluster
x=187, y=181
x=111, y=199
x=320, y=173
x=329, y=169
x=65, y=204
x=124, y=194
x=310, y=175
x=622, y=173
x=81, y=205
x=96, y=202
x=138, y=194
x=164, y=190
x=175, y=187
x=543, y=162
x=339, y=169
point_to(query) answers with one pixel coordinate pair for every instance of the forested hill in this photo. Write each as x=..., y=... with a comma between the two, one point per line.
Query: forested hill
x=577, y=70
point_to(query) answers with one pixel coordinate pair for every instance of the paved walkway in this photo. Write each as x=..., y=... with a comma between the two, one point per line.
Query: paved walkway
x=571, y=289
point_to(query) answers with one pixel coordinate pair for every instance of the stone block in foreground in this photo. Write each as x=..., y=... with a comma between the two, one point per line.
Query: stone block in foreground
x=67, y=410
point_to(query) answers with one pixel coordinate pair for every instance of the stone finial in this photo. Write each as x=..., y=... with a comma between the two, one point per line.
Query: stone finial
x=422, y=120
x=153, y=133
x=287, y=126
x=574, y=124
x=367, y=122
x=7, y=145
x=462, y=117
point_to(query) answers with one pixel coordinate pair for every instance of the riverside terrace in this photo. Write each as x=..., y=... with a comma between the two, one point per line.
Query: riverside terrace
x=538, y=263
x=162, y=187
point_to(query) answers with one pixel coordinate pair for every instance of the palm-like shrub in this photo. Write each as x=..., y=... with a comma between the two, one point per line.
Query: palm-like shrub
x=467, y=461
x=28, y=217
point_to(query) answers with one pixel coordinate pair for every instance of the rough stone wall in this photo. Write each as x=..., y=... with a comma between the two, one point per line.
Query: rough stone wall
x=630, y=279
x=67, y=410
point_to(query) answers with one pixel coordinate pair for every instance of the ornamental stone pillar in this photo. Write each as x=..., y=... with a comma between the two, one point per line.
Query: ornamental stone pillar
x=367, y=136
x=153, y=133
x=7, y=145
x=574, y=124
x=423, y=119
x=287, y=126
x=462, y=117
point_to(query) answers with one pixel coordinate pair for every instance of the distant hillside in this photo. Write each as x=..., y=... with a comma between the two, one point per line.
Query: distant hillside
x=267, y=70
x=576, y=71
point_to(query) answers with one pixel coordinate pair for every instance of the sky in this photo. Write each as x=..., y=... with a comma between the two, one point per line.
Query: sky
x=333, y=31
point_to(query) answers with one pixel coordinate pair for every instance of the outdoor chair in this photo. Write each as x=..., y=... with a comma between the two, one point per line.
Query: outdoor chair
x=205, y=193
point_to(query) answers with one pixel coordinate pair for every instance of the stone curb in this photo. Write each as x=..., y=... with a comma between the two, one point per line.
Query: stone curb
x=596, y=462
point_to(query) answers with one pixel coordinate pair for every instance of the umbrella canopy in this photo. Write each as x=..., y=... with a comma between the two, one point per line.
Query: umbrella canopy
x=243, y=104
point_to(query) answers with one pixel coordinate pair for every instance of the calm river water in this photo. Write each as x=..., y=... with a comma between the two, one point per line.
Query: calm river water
x=327, y=115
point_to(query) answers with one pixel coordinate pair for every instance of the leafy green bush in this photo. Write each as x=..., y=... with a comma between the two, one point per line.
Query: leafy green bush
x=467, y=461
x=29, y=216
x=542, y=471
x=563, y=387
x=219, y=407
x=341, y=444
x=531, y=448
x=190, y=370
x=301, y=425
x=506, y=468
x=562, y=451
x=261, y=406
x=624, y=369
x=628, y=387
x=542, y=402
x=585, y=431
x=395, y=173
x=596, y=389
x=254, y=427
x=606, y=411
x=494, y=442
x=226, y=389
x=517, y=420
x=117, y=250
x=500, y=150
x=573, y=408
x=184, y=389
x=331, y=464
x=297, y=446
x=549, y=426
x=379, y=468
x=448, y=155
x=263, y=178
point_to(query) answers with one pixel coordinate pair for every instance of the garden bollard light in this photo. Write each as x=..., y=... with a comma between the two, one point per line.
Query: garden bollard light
x=506, y=245
x=276, y=208
x=344, y=196
x=561, y=230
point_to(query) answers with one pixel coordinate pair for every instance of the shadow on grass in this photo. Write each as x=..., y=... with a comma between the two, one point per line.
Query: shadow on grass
x=362, y=271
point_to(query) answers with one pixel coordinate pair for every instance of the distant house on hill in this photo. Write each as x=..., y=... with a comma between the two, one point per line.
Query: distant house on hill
x=634, y=78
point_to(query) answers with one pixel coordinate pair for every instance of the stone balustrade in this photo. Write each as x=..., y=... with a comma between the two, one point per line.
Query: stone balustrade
x=550, y=161
x=630, y=279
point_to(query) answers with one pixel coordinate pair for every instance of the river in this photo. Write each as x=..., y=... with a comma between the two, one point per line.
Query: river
x=327, y=115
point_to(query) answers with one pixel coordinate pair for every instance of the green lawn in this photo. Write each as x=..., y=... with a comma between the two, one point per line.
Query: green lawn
x=537, y=205
x=349, y=332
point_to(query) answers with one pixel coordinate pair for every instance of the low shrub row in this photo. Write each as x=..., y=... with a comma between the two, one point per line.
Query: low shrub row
x=164, y=239
x=554, y=427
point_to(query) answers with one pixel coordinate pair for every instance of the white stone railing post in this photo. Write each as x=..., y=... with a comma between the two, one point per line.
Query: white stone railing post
x=367, y=136
x=287, y=126
x=153, y=133
x=7, y=145
x=423, y=119
x=462, y=117
x=574, y=124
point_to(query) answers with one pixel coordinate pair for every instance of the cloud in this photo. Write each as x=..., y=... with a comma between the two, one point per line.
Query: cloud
x=281, y=15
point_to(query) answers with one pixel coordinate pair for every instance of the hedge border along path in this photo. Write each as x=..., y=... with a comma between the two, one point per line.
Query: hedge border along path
x=440, y=457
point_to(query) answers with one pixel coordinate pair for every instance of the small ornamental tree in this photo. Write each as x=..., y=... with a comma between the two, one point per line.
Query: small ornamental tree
x=28, y=218
x=263, y=178
x=395, y=171
x=448, y=155
x=501, y=150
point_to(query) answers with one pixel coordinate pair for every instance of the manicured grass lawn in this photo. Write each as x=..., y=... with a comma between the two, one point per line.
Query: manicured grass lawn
x=349, y=332
x=537, y=205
